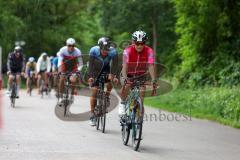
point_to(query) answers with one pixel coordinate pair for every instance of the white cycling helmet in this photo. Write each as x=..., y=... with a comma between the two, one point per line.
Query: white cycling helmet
x=44, y=54
x=31, y=59
x=139, y=36
x=18, y=49
x=70, y=41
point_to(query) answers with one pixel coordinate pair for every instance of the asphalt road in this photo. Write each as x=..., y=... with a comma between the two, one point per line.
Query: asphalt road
x=34, y=130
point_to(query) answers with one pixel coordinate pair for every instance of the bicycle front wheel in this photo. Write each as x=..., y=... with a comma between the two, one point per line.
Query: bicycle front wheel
x=125, y=133
x=13, y=95
x=137, y=122
x=97, y=122
x=103, y=122
x=12, y=102
x=42, y=88
x=30, y=87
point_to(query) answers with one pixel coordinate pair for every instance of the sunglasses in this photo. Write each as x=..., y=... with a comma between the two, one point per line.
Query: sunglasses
x=139, y=43
x=70, y=45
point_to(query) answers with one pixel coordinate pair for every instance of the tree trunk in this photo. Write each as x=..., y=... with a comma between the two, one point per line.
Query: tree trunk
x=154, y=32
x=154, y=28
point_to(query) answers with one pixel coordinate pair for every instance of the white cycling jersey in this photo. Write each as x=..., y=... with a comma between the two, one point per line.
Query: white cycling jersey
x=43, y=65
x=65, y=54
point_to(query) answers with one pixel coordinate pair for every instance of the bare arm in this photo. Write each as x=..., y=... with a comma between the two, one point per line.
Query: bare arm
x=125, y=65
x=80, y=62
x=23, y=63
x=8, y=63
x=152, y=71
x=90, y=69
x=124, y=70
x=114, y=65
x=26, y=68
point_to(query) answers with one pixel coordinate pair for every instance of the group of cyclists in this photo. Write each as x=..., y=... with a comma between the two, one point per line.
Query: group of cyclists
x=138, y=58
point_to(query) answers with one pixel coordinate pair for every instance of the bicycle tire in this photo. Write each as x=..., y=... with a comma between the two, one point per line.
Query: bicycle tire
x=137, y=122
x=42, y=88
x=66, y=100
x=97, y=122
x=30, y=86
x=65, y=108
x=125, y=133
x=98, y=110
x=103, y=122
x=103, y=115
x=13, y=102
x=13, y=95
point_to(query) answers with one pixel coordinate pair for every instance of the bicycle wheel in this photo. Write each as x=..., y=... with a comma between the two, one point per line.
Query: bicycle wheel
x=98, y=110
x=125, y=131
x=137, y=121
x=97, y=115
x=65, y=107
x=103, y=122
x=41, y=88
x=103, y=115
x=97, y=122
x=13, y=95
x=66, y=99
x=30, y=87
x=12, y=102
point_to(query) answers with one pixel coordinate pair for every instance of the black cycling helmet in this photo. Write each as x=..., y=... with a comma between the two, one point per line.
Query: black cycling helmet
x=139, y=36
x=18, y=49
x=104, y=43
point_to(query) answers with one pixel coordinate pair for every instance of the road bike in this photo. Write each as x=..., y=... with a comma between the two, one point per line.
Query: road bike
x=102, y=104
x=133, y=120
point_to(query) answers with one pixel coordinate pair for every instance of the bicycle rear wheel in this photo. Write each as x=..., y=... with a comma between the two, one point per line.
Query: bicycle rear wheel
x=137, y=122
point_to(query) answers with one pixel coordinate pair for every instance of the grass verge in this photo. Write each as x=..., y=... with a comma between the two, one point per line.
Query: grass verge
x=218, y=104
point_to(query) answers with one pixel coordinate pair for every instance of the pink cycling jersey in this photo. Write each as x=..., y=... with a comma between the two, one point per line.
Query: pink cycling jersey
x=138, y=62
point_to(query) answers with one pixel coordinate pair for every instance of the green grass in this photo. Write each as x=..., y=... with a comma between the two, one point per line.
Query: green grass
x=212, y=103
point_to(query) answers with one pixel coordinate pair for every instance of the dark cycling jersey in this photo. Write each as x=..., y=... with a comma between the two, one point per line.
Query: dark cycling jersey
x=16, y=64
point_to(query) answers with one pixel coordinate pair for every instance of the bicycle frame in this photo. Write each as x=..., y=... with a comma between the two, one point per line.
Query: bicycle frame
x=134, y=95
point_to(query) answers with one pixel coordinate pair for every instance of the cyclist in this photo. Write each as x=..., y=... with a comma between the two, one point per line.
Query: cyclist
x=30, y=71
x=137, y=59
x=15, y=65
x=50, y=75
x=69, y=60
x=55, y=64
x=43, y=69
x=102, y=58
x=55, y=71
